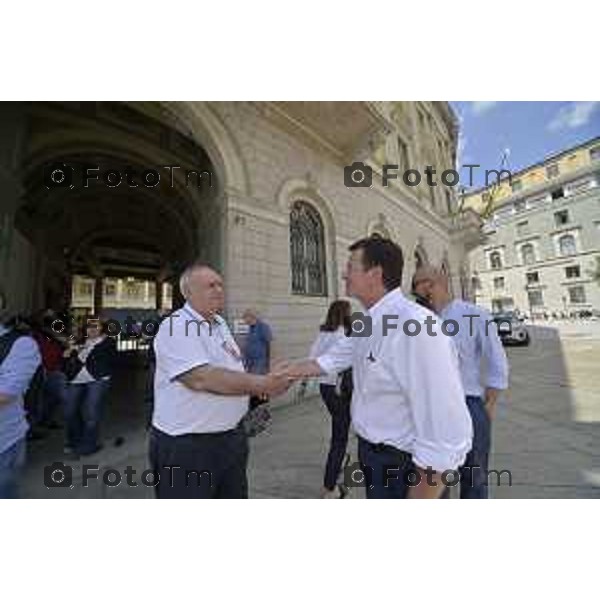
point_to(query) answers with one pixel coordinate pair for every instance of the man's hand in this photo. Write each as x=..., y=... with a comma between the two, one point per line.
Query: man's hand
x=275, y=384
x=299, y=369
x=491, y=397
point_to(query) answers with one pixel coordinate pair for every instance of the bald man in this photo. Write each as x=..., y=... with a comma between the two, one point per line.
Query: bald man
x=197, y=444
x=478, y=346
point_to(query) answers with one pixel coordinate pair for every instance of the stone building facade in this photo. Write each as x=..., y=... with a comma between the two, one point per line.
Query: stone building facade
x=541, y=253
x=276, y=218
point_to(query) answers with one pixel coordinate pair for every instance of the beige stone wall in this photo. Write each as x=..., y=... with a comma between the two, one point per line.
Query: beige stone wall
x=280, y=170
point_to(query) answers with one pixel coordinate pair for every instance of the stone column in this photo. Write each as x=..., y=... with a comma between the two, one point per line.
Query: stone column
x=98, y=294
x=159, y=294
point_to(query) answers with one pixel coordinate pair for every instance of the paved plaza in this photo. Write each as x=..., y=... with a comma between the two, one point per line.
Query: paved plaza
x=547, y=431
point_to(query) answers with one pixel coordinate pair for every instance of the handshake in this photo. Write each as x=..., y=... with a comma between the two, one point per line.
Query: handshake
x=284, y=374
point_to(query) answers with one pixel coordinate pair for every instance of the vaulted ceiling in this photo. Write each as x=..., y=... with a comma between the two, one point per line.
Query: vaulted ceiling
x=98, y=227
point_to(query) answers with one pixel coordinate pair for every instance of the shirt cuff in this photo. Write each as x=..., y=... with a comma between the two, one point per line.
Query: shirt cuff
x=327, y=364
x=440, y=458
x=498, y=383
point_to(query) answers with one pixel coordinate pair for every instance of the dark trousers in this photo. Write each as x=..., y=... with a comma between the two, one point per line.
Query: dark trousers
x=473, y=474
x=388, y=472
x=83, y=411
x=200, y=465
x=339, y=409
x=55, y=385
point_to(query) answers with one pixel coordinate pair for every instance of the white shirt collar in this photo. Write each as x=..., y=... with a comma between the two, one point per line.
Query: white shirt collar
x=218, y=320
x=390, y=297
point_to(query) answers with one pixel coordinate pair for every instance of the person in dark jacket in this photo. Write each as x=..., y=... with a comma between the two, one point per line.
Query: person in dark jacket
x=89, y=367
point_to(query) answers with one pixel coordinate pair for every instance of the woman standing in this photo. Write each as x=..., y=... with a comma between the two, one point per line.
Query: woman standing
x=89, y=368
x=336, y=391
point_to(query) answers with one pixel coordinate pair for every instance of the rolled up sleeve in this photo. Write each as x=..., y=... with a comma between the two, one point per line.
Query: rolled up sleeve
x=179, y=350
x=337, y=358
x=496, y=363
x=443, y=426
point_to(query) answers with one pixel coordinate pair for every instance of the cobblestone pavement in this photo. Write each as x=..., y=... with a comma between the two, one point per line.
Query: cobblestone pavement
x=547, y=432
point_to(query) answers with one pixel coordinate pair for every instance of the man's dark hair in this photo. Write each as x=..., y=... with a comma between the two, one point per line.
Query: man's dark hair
x=381, y=252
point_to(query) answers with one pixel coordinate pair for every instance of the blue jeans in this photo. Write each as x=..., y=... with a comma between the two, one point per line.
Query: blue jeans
x=83, y=410
x=473, y=474
x=12, y=461
x=54, y=393
x=388, y=472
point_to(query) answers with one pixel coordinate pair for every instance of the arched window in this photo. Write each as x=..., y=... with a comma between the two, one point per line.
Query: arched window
x=495, y=260
x=307, y=249
x=566, y=245
x=528, y=254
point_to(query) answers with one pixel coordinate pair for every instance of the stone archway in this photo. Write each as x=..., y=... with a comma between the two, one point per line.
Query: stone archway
x=79, y=227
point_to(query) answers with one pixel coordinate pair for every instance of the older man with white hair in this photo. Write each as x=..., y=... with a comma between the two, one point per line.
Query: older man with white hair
x=197, y=446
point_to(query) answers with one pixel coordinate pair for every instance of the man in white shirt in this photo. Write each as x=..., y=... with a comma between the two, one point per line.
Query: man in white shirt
x=478, y=346
x=408, y=404
x=197, y=446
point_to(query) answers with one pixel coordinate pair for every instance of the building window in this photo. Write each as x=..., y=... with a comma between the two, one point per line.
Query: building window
x=532, y=278
x=522, y=228
x=132, y=289
x=595, y=153
x=516, y=185
x=307, y=248
x=86, y=288
x=498, y=283
x=577, y=295
x=495, y=260
x=558, y=193
x=573, y=272
x=561, y=217
x=566, y=245
x=528, y=254
x=552, y=171
x=110, y=289
x=535, y=298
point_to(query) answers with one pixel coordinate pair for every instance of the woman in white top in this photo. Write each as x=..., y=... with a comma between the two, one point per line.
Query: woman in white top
x=336, y=392
x=89, y=368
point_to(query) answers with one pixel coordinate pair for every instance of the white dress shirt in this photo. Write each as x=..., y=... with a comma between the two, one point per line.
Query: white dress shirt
x=407, y=389
x=179, y=348
x=326, y=340
x=481, y=356
x=84, y=375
